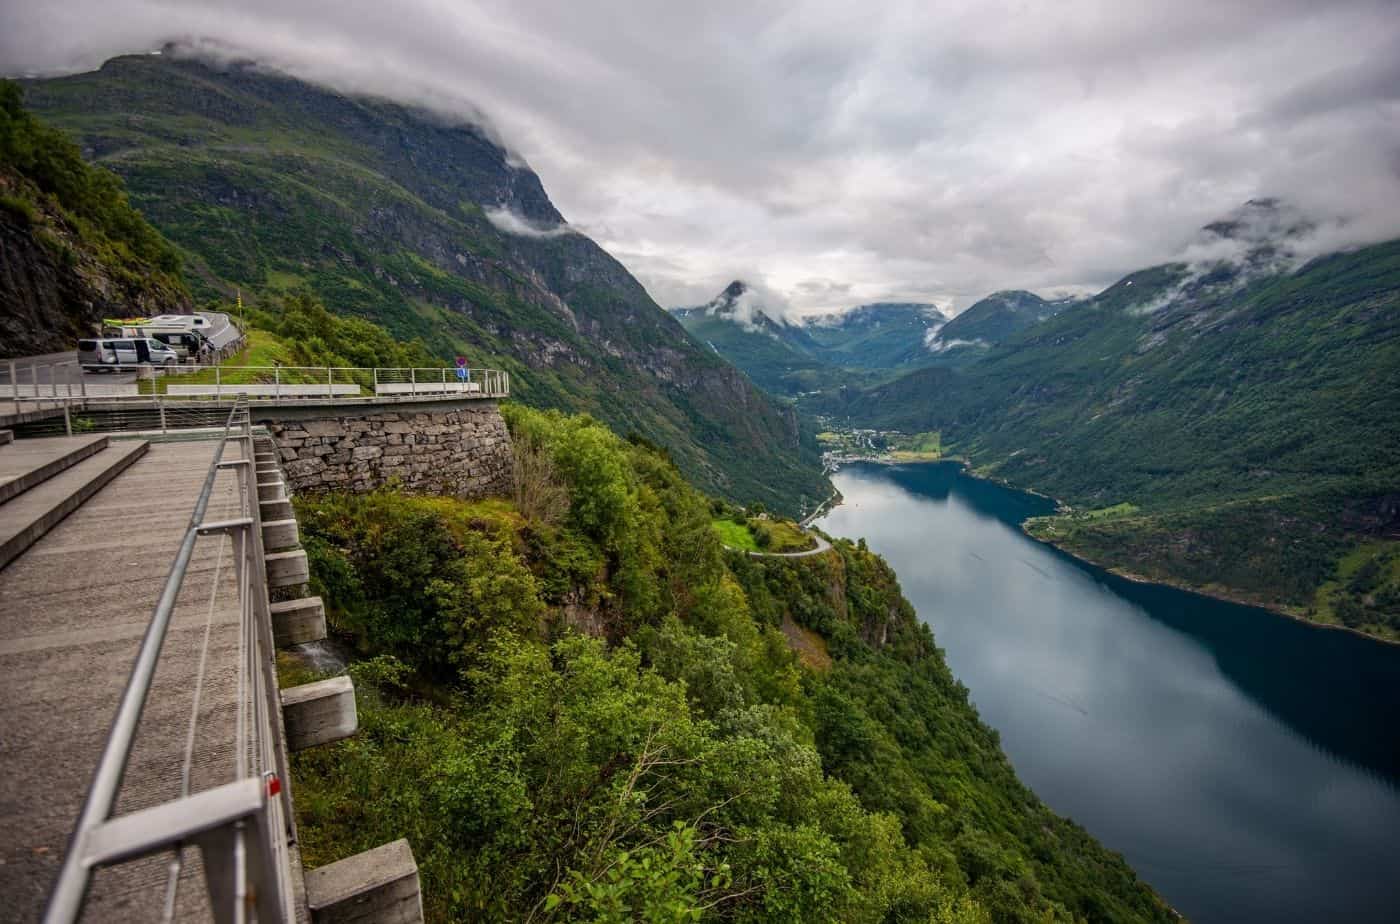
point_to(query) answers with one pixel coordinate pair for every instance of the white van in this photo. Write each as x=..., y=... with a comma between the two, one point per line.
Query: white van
x=111, y=353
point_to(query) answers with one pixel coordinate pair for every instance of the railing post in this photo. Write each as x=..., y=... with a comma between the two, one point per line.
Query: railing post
x=14, y=382
x=330, y=382
x=277, y=383
x=218, y=384
x=160, y=403
x=67, y=420
x=412, y=380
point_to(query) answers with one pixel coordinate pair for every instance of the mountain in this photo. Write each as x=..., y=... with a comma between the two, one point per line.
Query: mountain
x=797, y=357
x=779, y=357
x=883, y=335
x=990, y=321
x=430, y=227
x=1233, y=424
x=72, y=250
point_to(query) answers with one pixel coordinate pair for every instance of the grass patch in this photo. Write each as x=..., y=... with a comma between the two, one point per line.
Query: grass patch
x=735, y=535
x=780, y=536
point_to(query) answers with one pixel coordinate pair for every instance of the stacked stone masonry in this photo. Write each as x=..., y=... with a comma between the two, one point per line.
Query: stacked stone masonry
x=463, y=451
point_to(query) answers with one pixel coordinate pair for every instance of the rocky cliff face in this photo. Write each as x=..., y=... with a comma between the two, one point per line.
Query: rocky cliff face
x=55, y=289
x=72, y=251
x=433, y=229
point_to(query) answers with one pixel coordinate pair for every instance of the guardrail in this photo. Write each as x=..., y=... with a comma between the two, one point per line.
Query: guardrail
x=186, y=382
x=241, y=827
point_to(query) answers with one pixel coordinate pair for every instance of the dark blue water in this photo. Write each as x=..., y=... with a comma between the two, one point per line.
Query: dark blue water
x=1247, y=765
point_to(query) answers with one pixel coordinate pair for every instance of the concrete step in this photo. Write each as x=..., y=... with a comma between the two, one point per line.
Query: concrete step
x=378, y=885
x=295, y=622
x=29, y=463
x=319, y=713
x=270, y=490
x=277, y=509
x=6, y=437
x=280, y=534
x=286, y=569
x=40, y=509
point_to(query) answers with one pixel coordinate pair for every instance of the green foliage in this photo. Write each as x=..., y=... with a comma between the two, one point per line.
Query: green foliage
x=92, y=196
x=685, y=768
x=419, y=579
x=318, y=338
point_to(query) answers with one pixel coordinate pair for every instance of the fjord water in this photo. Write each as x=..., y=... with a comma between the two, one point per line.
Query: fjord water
x=1246, y=765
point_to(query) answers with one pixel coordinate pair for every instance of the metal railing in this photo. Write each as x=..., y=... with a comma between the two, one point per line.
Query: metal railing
x=241, y=827
x=63, y=379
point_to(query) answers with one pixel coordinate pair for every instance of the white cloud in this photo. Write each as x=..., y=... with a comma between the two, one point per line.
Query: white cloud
x=512, y=223
x=905, y=151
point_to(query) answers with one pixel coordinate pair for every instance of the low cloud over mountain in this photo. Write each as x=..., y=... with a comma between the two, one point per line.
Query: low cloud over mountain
x=900, y=152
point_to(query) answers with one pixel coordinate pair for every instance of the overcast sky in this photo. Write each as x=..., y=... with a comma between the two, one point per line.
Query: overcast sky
x=839, y=152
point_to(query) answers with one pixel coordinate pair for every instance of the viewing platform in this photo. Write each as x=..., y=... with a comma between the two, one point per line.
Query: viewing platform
x=150, y=566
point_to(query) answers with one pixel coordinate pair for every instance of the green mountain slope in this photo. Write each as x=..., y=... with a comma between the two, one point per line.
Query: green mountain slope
x=883, y=335
x=794, y=358
x=1250, y=419
x=778, y=357
x=72, y=250
x=271, y=184
x=993, y=320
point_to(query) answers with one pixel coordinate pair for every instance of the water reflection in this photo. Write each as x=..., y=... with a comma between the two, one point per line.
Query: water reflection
x=1244, y=763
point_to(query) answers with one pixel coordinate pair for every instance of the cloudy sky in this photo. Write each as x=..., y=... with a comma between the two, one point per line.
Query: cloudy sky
x=837, y=152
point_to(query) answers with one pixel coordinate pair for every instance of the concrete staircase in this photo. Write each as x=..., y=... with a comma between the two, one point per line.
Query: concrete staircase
x=44, y=480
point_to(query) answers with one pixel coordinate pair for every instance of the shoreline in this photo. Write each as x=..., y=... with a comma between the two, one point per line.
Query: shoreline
x=1224, y=596
x=1136, y=578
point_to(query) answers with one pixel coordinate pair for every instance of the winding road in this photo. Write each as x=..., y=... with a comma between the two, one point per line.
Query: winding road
x=822, y=546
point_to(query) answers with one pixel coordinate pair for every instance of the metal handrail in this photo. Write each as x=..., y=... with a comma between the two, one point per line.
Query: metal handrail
x=239, y=827
x=261, y=383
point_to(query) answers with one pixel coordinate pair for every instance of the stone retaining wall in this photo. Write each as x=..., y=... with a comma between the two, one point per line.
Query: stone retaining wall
x=462, y=451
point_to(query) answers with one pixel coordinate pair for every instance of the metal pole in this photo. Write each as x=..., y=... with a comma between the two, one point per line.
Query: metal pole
x=413, y=380
x=376, y=380
x=67, y=421
x=330, y=382
x=277, y=382
x=161, y=404
x=218, y=385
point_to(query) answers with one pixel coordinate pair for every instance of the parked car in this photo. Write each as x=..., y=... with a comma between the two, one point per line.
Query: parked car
x=111, y=353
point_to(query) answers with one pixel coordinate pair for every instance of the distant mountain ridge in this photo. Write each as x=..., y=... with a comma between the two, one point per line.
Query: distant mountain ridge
x=992, y=320
x=429, y=227
x=787, y=356
x=1239, y=418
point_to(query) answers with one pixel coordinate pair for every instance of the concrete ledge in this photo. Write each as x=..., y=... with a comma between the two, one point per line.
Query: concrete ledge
x=279, y=509
x=379, y=885
x=298, y=621
x=265, y=390
x=6, y=437
x=280, y=534
x=286, y=569
x=270, y=490
x=319, y=713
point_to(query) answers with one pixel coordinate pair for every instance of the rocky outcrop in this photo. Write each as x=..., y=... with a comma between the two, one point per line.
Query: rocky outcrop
x=461, y=451
x=55, y=286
